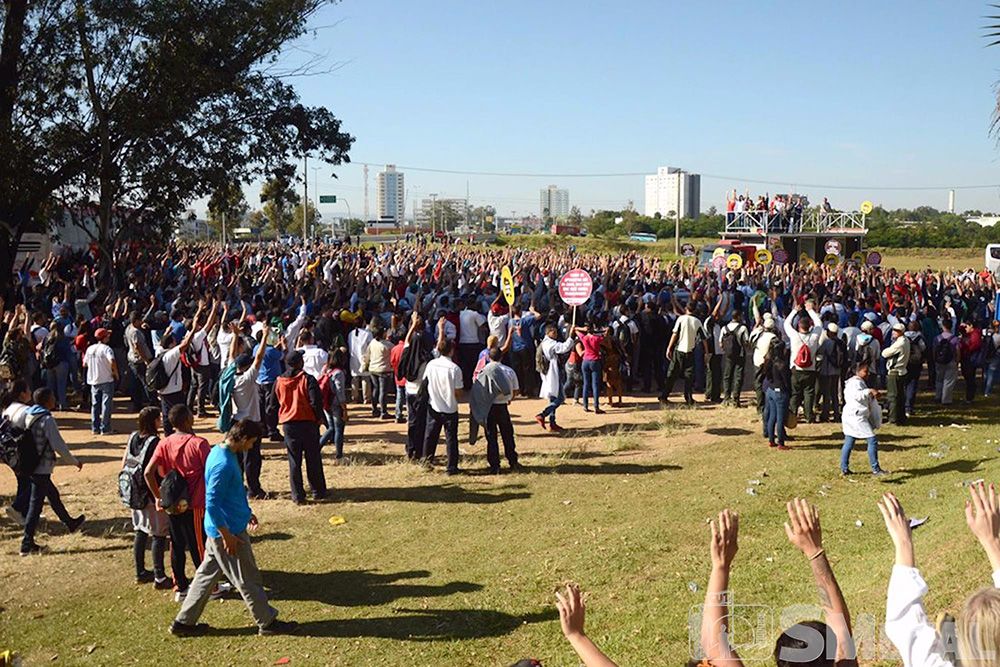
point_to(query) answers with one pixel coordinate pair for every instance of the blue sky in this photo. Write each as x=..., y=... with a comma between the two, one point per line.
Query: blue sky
x=850, y=93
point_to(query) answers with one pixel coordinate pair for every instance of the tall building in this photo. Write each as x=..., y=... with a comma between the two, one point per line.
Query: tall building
x=553, y=202
x=441, y=209
x=671, y=191
x=391, y=195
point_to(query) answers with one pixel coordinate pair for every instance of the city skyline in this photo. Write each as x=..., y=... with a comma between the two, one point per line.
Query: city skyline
x=827, y=117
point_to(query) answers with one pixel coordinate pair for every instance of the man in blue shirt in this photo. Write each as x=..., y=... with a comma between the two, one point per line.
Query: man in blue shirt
x=270, y=369
x=227, y=546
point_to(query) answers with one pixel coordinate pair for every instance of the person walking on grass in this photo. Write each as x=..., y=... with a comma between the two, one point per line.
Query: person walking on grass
x=552, y=373
x=499, y=419
x=300, y=411
x=333, y=387
x=185, y=453
x=150, y=522
x=102, y=376
x=686, y=335
x=444, y=381
x=48, y=442
x=862, y=416
x=228, y=553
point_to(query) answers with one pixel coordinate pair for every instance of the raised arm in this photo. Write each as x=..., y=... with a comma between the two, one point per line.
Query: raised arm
x=715, y=615
x=803, y=530
x=571, y=617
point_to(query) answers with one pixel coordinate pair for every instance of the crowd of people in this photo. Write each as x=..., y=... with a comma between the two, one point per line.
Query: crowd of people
x=293, y=343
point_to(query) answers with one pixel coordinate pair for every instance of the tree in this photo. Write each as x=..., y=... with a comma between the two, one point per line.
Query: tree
x=227, y=204
x=575, y=217
x=279, y=200
x=142, y=107
x=313, y=217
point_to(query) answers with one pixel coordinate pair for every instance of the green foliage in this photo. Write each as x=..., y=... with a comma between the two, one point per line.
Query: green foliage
x=926, y=227
x=280, y=200
x=602, y=223
x=227, y=200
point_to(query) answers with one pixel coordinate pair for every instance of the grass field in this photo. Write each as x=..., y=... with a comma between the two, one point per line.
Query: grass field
x=431, y=570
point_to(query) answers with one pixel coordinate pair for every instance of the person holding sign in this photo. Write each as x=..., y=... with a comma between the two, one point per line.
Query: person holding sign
x=552, y=373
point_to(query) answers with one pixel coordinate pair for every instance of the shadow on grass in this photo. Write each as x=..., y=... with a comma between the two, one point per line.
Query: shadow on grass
x=417, y=625
x=431, y=493
x=357, y=588
x=667, y=424
x=728, y=431
x=603, y=468
x=963, y=466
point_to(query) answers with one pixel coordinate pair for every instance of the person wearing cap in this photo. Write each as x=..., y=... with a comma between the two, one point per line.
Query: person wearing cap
x=832, y=361
x=897, y=357
x=300, y=412
x=102, y=375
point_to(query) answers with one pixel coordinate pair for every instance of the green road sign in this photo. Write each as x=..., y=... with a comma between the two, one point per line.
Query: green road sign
x=328, y=199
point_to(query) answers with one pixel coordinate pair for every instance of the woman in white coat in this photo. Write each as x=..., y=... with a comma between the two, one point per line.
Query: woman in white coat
x=862, y=415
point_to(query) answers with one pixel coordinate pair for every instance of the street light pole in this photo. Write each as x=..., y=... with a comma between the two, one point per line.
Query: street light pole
x=305, y=198
x=433, y=212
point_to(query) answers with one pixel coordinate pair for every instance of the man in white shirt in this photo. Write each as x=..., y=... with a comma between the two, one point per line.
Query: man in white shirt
x=201, y=371
x=471, y=327
x=172, y=393
x=246, y=405
x=761, y=339
x=102, y=375
x=444, y=381
x=680, y=352
x=499, y=419
x=314, y=357
x=357, y=344
x=809, y=334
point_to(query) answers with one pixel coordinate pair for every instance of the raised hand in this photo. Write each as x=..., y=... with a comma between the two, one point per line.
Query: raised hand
x=802, y=527
x=899, y=529
x=982, y=515
x=723, y=544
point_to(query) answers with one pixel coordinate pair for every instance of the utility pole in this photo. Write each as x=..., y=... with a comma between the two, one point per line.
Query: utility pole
x=677, y=233
x=223, y=228
x=305, y=198
x=433, y=212
x=365, y=171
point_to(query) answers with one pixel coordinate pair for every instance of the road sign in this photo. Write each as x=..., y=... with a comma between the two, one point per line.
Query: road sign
x=763, y=256
x=507, y=285
x=687, y=250
x=832, y=247
x=831, y=259
x=866, y=207
x=874, y=258
x=575, y=287
x=780, y=256
x=328, y=199
x=735, y=261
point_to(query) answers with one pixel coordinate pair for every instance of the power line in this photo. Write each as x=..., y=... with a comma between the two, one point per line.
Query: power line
x=736, y=179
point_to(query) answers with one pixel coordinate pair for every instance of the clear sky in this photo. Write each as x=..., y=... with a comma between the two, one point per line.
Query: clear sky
x=851, y=93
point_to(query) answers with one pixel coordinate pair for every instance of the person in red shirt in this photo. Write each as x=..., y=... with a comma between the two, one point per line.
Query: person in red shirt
x=394, y=356
x=186, y=453
x=970, y=342
x=300, y=409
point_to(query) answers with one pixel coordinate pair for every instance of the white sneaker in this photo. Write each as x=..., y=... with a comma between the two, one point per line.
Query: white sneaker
x=180, y=595
x=14, y=515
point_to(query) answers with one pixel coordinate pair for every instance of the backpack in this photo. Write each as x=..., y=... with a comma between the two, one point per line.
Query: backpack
x=804, y=357
x=838, y=356
x=50, y=356
x=9, y=366
x=944, y=352
x=175, y=497
x=623, y=338
x=542, y=362
x=731, y=348
x=18, y=448
x=157, y=377
x=191, y=357
x=985, y=352
x=132, y=489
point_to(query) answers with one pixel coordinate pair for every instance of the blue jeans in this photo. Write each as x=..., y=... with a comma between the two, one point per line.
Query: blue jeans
x=400, y=402
x=56, y=379
x=845, y=452
x=992, y=373
x=100, y=406
x=592, y=382
x=42, y=488
x=334, y=430
x=775, y=412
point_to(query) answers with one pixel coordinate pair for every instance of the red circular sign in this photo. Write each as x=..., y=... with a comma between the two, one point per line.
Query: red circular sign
x=575, y=287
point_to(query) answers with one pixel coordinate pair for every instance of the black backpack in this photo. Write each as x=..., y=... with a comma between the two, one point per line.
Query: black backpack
x=731, y=348
x=50, y=356
x=838, y=356
x=132, y=489
x=623, y=338
x=944, y=352
x=175, y=497
x=541, y=361
x=18, y=448
x=157, y=377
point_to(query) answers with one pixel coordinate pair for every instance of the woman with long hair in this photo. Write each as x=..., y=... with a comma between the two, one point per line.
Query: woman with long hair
x=147, y=522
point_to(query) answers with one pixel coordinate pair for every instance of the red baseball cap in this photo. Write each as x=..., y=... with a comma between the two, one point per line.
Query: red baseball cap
x=102, y=333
